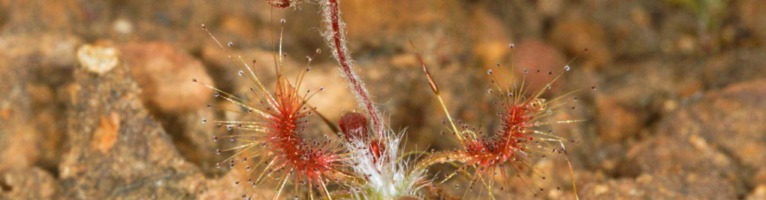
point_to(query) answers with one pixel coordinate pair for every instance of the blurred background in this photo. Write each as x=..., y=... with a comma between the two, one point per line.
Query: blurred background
x=677, y=112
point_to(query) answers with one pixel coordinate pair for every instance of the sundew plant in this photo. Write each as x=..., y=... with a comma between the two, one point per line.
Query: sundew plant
x=363, y=157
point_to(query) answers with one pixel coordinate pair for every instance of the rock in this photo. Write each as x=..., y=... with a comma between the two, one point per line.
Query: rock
x=760, y=176
x=688, y=185
x=31, y=183
x=758, y=193
x=630, y=28
x=549, y=7
x=540, y=61
x=165, y=75
x=38, y=16
x=44, y=123
x=664, y=186
x=392, y=22
x=526, y=18
x=18, y=137
x=33, y=68
x=612, y=189
x=615, y=122
x=673, y=165
x=660, y=91
x=221, y=188
x=161, y=70
x=690, y=145
x=335, y=98
x=114, y=148
x=751, y=12
x=106, y=133
x=98, y=59
x=577, y=35
x=492, y=38
x=19, y=146
x=240, y=27
x=48, y=52
x=225, y=66
x=726, y=119
x=195, y=140
x=734, y=66
x=679, y=153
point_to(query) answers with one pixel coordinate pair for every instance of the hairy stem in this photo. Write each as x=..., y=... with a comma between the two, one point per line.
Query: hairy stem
x=441, y=157
x=336, y=40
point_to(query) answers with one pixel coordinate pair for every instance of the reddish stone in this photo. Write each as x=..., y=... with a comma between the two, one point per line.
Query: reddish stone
x=165, y=74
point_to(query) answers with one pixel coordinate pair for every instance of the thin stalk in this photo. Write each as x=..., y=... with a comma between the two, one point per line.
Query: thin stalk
x=336, y=41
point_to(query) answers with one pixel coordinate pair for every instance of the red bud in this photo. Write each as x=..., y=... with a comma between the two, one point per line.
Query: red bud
x=353, y=125
x=279, y=3
x=377, y=148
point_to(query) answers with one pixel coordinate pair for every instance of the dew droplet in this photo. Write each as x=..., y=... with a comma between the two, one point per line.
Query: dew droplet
x=230, y=44
x=567, y=68
x=511, y=45
x=241, y=73
x=282, y=21
x=489, y=72
x=204, y=120
x=489, y=91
